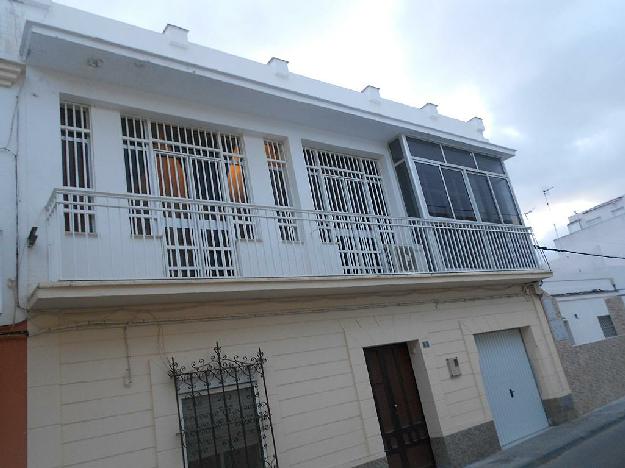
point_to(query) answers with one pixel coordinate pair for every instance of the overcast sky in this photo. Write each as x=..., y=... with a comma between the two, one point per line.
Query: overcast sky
x=547, y=77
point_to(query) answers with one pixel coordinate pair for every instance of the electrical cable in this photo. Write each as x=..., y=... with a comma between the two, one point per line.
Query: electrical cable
x=540, y=247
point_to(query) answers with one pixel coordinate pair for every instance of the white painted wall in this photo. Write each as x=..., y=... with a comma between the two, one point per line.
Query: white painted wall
x=606, y=237
x=42, y=169
x=7, y=207
x=601, y=231
x=581, y=315
x=597, y=214
x=39, y=142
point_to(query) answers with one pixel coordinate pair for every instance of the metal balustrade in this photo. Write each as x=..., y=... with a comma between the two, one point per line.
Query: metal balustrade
x=147, y=237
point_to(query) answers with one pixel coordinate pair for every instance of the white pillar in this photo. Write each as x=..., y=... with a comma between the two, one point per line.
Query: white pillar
x=258, y=173
x=106, y=151
x=298, y=175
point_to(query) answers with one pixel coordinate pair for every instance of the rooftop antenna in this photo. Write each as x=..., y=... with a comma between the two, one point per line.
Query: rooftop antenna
x=527, y=213
x=545, y=193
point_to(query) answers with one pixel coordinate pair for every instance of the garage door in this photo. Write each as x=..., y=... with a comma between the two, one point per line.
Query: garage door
x=510, y=386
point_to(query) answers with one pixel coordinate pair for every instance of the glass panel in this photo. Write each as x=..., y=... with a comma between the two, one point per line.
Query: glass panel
x=221, y=429
x=458, y=195
x=504, y=198
x=434, y=190
x=344, y=183
x=488, y=163
x=236, y=180
x=484, y=198
x=459, y=157
x=206, y=180
x=396, y=152
x=407, y=192
x=171, y=176
x=425, y=150
x=607, y=326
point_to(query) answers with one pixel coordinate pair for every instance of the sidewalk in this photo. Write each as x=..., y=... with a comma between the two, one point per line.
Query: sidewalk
x=556, y=440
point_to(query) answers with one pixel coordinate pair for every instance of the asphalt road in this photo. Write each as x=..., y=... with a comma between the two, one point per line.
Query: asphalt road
x=604, y=450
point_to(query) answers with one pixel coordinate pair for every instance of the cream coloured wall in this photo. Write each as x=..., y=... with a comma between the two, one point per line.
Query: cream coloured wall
x=81, y=413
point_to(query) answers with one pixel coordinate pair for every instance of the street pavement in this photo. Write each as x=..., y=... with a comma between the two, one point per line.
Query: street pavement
x=597, y=439
x=605, y=449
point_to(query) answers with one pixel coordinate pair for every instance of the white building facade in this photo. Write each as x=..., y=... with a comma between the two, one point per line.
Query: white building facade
x=223, y=263
x=581, y=283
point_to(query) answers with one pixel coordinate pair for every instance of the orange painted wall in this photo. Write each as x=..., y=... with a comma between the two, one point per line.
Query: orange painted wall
x=13, y=351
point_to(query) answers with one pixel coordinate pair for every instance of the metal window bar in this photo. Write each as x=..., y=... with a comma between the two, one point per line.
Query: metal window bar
x=137, y=165
x=197, y=241
x=190, y=165
x=349, y=184
x=278, y=173
x=79, y=213
x=224, y=413
x=607, y=326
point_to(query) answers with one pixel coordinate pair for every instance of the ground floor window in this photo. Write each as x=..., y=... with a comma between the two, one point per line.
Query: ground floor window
x=607, y=326
x=224, y=414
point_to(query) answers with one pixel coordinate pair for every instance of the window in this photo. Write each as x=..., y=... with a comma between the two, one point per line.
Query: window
x=425, y=150
x=458, y=195
x=278, y=174
x=434, y=190
x=484, y=198
x=224, y=414
x=135, y=144
x=489, y=164
x=607, y=326
x=459, y=157
x=186, y=165
x=207, y=443
x=462, y=185
x=403, y=177
x=79, y=212
x=343, y=183
x=505, y=201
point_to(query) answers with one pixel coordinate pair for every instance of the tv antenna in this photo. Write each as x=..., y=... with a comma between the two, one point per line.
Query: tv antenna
x=545, y=193
x=527, y=213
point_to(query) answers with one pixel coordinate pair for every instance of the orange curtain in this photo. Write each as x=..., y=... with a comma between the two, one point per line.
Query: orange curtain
x=171, y=176
x=236, y=182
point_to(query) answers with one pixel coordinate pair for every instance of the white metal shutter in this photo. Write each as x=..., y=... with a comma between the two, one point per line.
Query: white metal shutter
x=510, y=386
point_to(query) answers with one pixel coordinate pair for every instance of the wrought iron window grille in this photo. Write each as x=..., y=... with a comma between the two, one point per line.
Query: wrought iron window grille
x=223, y=412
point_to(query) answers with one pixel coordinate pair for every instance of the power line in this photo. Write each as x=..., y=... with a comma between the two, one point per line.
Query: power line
x=540, y=247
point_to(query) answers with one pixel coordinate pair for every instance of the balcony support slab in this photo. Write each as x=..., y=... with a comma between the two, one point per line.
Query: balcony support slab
x=98, y=294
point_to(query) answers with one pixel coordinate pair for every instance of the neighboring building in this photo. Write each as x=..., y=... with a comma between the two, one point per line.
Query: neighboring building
x=587, y=313
x=581, y=283
x=179, y=208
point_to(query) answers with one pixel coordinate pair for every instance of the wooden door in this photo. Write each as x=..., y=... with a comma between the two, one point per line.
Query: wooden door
x=402, y=423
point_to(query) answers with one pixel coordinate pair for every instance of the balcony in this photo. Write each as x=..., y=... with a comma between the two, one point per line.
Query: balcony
x=121, y=237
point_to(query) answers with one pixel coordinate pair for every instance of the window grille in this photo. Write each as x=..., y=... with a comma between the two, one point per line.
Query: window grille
x=223, y=412
x=188, y=164
x=343, y=183
x=278, y=173
x=136, y=144
x=607, y=326
x=79, y=211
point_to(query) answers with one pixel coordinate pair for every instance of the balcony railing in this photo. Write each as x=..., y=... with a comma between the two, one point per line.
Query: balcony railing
x=104, y=236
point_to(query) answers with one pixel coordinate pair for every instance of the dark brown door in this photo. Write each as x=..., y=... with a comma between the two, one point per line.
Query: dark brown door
x=404, y=432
